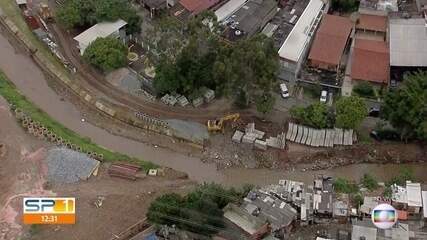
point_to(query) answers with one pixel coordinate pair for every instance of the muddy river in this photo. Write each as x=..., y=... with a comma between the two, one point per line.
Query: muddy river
x=31, y=82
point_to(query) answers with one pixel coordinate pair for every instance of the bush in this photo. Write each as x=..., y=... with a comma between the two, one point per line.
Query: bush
x=106, y=54
x=364, y=89
x=315, y=115
x=342, y=185
x=369, y=182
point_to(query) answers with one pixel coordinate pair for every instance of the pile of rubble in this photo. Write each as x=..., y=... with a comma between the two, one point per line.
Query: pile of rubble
x=255, y=137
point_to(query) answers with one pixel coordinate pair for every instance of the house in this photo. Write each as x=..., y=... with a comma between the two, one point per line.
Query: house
x=378, y=7
x=370, y=62
x=331, y=40
x=369, y=203
x=340, y=210
x=101, y=30
x=408, y=38
x=371, y=26
x=364, y=230
x=249, y=19
x=415, y=202
x=186, y=9
x=228, y=9
x=323, y=196
x=294, y=50
x=257, y=210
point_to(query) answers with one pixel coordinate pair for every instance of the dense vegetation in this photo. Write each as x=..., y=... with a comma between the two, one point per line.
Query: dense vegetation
x=406, y=107
x=315, y=115
x=349, y=113
x=344, y=5
x=200, y=211
x=364, y=89
x=106, y=54
x=245, y=70
x=13, y=97
x=85, y=13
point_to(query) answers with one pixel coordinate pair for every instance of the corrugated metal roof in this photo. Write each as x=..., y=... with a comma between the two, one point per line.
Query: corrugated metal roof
x=103, y=29
x=408, y=41
x=413, y=191
x=298, y=39
x=228, y=9
x=424, y=196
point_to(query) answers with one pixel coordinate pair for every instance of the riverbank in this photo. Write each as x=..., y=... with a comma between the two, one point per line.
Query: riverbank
x=13, y=97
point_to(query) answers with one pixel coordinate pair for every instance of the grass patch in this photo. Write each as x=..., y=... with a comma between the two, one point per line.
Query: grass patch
x=12, y=95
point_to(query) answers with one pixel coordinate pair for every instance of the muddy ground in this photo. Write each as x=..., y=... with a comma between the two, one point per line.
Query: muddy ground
x=23, y=171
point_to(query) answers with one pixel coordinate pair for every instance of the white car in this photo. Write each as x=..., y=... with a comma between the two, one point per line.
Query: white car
x=284, y=90
x=323, y=95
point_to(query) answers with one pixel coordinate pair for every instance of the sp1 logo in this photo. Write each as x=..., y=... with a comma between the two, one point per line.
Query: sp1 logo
x=49, y=210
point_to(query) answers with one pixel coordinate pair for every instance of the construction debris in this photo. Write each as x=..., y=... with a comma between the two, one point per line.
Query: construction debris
x=169, y=100
x=68, y=166
x=182, y=101
x=124, y=170
x=209, y=95
x=260, y=144
x=197, y=102
x=99, y=201
x=319, y=137
x=237, y=136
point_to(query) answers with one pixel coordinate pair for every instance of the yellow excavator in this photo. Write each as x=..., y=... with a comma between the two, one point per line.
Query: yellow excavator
x=218, y=124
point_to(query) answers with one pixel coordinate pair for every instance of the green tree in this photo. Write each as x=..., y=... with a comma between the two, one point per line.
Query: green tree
x=364, y=89
x=344, y=5
x=199, y=211
x=83, y=13
x=164, y=207
x=350, y=112
x=369, y=182
x=406, y=107
x=315, y=115
x=106, y=54
x=265, y=103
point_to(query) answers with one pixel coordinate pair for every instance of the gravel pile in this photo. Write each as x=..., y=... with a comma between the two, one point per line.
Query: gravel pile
x=68, y=166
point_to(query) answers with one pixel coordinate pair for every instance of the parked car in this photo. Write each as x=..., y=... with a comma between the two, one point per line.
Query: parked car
x=386, y=134
x=284, y=90
x=374, y=112
x=323, y=96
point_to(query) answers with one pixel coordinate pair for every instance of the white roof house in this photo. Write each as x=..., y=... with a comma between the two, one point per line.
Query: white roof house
x=413, y=191
x=408, y=41
x=424, y=196
x=228, y=9
x=298, y=39
x=99, y=30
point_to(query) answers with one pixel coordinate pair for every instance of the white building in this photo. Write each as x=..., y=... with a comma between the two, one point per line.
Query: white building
x=295, y=48
x=228, y=9
x=101, y=30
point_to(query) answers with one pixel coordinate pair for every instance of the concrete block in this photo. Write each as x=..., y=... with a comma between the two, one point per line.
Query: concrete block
x=260, y=144
x=248, y=138
x=237, y=136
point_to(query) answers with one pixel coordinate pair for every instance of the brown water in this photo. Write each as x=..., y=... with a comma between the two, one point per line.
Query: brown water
x=31, y=82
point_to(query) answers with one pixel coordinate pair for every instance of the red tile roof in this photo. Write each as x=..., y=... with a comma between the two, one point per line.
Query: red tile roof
x=402, y=215
x=370, y=61
x=330, y=39
x=373, y=23
x=198, y=6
